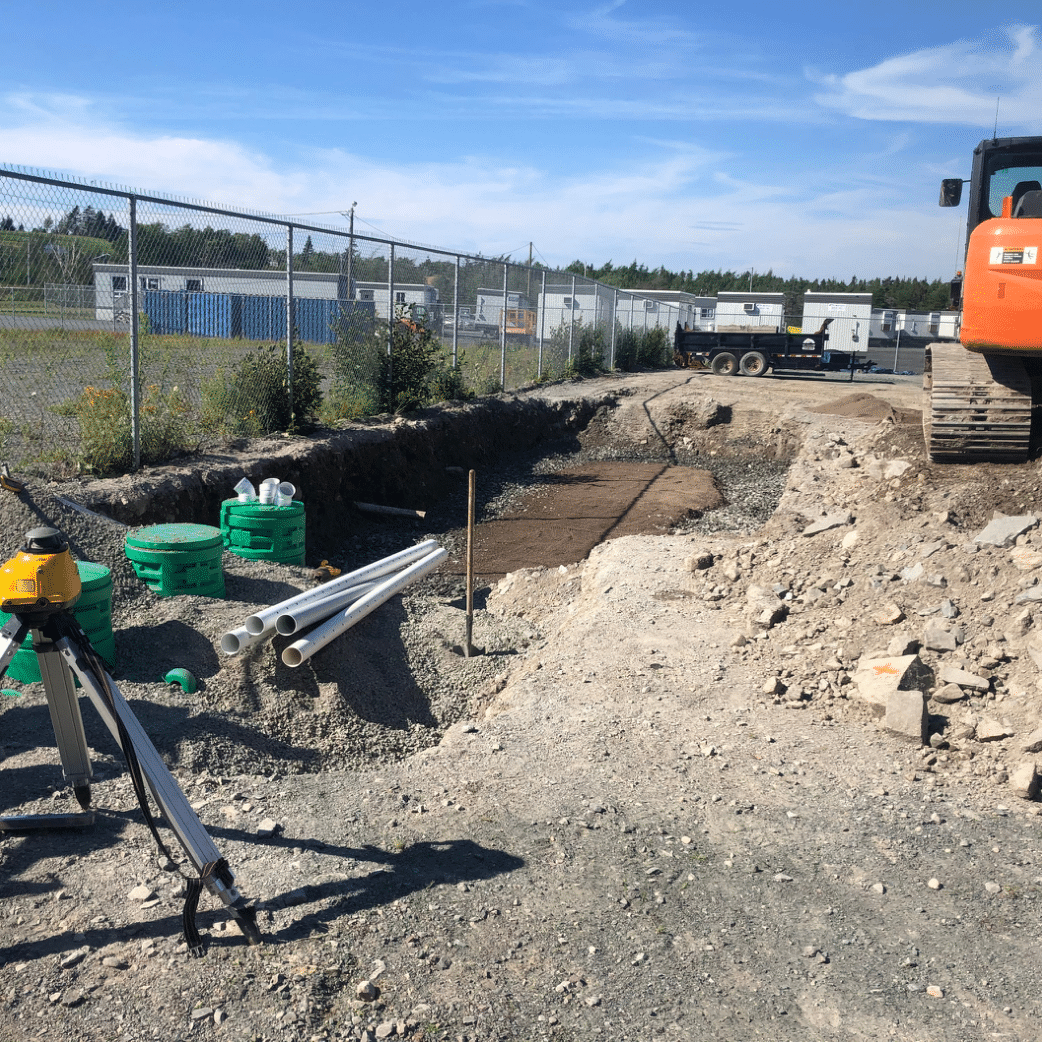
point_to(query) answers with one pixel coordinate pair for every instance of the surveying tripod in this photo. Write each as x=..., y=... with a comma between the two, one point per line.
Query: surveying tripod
x=38, y=587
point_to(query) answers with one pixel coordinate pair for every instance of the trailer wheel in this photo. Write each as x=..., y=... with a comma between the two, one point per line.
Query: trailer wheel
x=753, y=363
x=725, y=364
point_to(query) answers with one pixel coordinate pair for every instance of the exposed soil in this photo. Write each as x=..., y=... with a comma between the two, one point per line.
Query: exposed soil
x=660, y=802
x=563, y=518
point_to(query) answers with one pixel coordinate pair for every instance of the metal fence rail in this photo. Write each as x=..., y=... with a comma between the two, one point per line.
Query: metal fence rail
x=135, y=327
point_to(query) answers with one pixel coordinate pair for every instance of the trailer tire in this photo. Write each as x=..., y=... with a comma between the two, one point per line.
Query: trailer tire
x=725, y=364
x=753, y=363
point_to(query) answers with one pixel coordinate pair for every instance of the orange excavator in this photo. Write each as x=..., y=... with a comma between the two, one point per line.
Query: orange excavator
x=983, y=392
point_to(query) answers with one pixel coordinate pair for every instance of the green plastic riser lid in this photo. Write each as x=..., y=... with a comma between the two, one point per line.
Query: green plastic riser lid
x=175, y=536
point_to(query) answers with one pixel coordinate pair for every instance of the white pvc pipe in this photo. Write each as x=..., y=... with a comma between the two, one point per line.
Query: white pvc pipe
x=318, y=638
x=315, y=611
x=264, y=620
x=240, y=639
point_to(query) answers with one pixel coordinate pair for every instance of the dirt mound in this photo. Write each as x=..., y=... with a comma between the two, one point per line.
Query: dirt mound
x=863, y=406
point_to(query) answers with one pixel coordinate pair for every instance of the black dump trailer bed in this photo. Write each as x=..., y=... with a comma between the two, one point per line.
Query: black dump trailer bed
x=750, y=353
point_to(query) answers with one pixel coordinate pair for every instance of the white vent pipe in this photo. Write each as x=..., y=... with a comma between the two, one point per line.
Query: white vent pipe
x=264, y=620
x=318, y=638
x=300, y=616
x=240, y=639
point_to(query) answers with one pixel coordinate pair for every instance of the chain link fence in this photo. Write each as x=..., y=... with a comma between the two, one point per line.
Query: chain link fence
x=135, y=328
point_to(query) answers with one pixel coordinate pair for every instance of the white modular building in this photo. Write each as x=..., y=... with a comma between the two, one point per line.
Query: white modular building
x=649, y=308
x=890, y=323
x=738, y=310
x=851, y=315
x=562, y=305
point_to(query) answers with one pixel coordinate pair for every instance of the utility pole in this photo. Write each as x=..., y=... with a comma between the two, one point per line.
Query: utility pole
x=351, y=252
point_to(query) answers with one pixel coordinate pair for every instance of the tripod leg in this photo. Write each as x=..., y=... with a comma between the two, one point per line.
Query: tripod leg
x=66, y=719
x=194, y=839
x=11, y=637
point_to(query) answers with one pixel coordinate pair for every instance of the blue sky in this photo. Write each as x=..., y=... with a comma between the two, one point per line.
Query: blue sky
x=807, y=138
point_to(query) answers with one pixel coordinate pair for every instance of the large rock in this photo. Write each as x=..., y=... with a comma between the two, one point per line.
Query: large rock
x=823, y=524
x=1033, y=742
x=949, y=693
x=765, y=609
x=1024, y=780
x=962, y=677
x=906, y=716
x=1003, y=531
x=939, y=637
x=876, y=679
x=991, y=730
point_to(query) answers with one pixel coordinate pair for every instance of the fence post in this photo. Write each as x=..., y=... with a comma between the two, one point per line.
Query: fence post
x=503, y=334
x=542, y=324
x=390, y=317
x=455, y=316
x=135, y=361
x=289, y=319
x=571, y=322
x=614, y=312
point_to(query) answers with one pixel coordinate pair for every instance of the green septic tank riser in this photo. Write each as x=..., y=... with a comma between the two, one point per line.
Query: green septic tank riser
x=93, y=611
x=262, y=532
x=178, y=558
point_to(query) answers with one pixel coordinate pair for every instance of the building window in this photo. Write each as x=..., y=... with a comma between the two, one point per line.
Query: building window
x=399, y=298
x=147, y=283
x=365, y=294
x=888, y=321
x=651, y=305
x=935, y=323
x=569, y=303
x=194, y=285
x=706, y=312
x=119, y=283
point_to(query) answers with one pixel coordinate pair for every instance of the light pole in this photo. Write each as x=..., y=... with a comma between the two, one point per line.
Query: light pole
x=350, y=249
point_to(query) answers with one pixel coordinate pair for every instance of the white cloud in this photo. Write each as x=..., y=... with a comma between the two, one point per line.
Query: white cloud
x=678, y=206
x=954, y=83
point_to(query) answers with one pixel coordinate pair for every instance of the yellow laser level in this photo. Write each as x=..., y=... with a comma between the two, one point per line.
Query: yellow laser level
x=42, y=577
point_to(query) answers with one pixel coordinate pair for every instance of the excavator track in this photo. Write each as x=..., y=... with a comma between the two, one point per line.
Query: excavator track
x=979, y=407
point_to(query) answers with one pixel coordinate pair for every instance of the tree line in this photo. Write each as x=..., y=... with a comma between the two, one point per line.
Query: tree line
x=208, y=247
x=905, y=294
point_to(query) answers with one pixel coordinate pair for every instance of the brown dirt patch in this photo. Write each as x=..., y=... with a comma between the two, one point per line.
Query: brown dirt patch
x=562, y=520
x=868, y=407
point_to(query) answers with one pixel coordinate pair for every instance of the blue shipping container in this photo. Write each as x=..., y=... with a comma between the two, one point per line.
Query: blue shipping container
x=263, y=318
x=210, y=314
x=166, y=311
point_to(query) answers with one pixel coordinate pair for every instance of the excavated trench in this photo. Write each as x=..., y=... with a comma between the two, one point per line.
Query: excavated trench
x=554, y=478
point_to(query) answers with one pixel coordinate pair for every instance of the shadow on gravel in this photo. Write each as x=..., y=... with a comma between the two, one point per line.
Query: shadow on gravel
x=415, y=867
x=395, y=874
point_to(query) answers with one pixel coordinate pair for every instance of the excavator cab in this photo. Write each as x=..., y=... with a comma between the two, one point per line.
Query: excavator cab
x=981, y=399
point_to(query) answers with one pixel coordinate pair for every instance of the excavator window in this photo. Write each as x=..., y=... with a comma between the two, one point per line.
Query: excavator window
x=1013, y=181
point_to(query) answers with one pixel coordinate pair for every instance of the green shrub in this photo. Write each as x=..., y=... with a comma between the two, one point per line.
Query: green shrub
x=106, y=440
x=448, y=383
x=253, y=398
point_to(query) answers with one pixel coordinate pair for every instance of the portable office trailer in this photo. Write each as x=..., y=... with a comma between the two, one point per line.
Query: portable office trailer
x=405, y=294
x=887, y=323
x=589, y=302
x=851, y=315
x=738, y=310
x=648, y=308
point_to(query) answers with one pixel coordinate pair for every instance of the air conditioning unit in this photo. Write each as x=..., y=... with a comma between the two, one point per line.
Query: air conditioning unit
x=749, y=308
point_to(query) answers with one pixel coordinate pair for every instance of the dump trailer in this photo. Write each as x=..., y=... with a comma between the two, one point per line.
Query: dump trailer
x=752, y=353
x=984, y=392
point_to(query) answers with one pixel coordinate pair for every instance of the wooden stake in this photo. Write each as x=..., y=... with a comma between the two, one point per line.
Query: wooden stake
x=468, y=645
